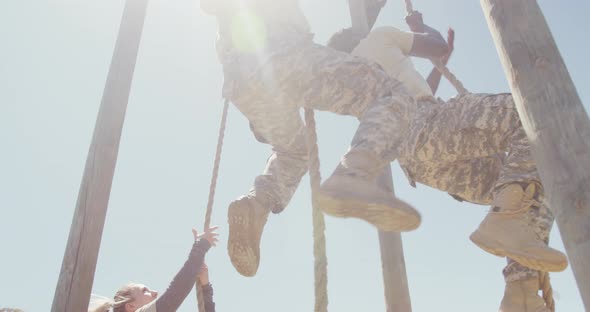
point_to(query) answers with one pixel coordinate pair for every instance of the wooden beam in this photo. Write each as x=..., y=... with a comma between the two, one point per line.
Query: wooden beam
x=74, y=286
x=395, y=281
x=554, y=119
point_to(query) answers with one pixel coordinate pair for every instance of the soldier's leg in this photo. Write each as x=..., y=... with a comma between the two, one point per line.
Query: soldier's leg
x=324, y=79
x=468, y=126
x=470, y=180
x=272, y=191
x=320, y=78
x=540, y=219
x=277, y=122
x=474, y=180
x=479, y=125
x=518, y=192
x=523, y=283
x=473, y=126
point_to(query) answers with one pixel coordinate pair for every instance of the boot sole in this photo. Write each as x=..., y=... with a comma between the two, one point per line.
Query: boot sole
x=384, y=217
x=243, y=253
x=495, y=248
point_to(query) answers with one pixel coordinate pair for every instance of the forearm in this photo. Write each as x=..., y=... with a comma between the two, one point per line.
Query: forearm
x=208, y=298
x=435, y=75
x=429, y=44
x=433, y=33
x=433, y=80
x=184, y=280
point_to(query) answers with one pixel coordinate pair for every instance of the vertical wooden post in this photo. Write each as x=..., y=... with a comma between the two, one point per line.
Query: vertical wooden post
x=79, y=263
x=395, y=282
x=554, y=119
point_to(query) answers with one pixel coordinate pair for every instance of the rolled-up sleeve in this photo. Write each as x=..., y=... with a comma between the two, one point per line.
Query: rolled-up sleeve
x=395, y=37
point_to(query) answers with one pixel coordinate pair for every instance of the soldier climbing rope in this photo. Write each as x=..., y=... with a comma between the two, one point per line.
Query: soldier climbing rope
x=70, y=297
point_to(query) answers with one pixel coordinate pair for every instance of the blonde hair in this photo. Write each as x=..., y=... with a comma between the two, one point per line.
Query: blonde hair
x=117, y=304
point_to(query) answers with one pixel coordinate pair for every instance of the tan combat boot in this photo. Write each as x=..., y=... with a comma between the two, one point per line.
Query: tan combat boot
x=505, y=233
x=523, y=296
x=246, y=218
x=352, y=191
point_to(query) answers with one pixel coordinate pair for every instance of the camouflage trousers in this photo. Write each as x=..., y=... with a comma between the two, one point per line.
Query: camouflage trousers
x=466, y=147
x=271, y=89
x=470, y=147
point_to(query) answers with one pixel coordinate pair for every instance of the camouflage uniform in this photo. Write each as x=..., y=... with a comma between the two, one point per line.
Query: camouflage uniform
x=303, y=74
x=459, y=147
x=469, y=147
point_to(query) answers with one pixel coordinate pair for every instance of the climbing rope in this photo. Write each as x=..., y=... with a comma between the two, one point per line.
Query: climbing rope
x=315, y=178
x=545, y=286
x=442, y=68
x=215, y=173
x=212, y=187
x=319, y=227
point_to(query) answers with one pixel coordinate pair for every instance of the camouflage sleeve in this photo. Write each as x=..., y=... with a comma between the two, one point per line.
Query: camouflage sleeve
x=184, y=280
x=396, y=38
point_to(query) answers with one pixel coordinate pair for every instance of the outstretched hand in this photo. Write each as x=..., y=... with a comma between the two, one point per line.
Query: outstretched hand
x=210, y=235
x=451, y=44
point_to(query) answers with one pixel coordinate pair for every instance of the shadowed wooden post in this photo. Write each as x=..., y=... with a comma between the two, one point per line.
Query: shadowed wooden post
x=554, y=119
x=74, y=286
x=395, y=281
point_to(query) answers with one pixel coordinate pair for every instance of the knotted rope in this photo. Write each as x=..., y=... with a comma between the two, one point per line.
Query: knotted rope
x=545, y=285
x=212, y=188
x=319, y=227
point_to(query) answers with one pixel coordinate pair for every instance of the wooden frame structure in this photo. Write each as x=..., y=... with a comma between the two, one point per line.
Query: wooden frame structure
x=550, y=109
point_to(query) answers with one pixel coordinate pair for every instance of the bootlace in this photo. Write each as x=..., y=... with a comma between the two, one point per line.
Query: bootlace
x=525, y=205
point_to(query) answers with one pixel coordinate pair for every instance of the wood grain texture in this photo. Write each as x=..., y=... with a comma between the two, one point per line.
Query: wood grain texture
x=554, y=119
x=74, y=286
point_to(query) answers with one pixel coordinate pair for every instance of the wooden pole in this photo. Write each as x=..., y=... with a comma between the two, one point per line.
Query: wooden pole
x=554, y=119
x=395, y=282
x=74, y=286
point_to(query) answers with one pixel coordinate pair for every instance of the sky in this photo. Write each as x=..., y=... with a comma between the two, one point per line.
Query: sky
x=55, y=56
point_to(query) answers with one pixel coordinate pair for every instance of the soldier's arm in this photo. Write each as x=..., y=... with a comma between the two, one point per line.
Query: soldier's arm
x=427, y=41
x=414, y=44
x=435, y=76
